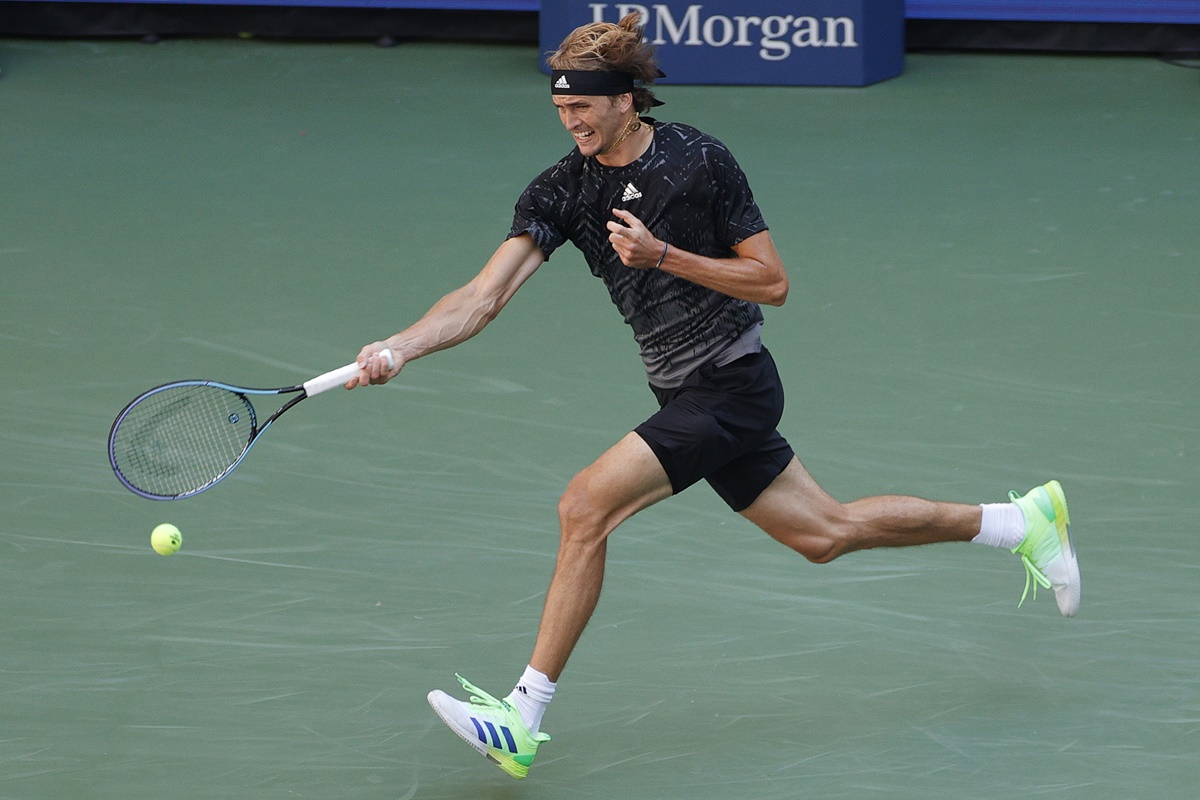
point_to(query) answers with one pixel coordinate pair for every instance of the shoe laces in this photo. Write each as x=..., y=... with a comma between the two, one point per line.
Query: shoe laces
x=1033, y=576
x=481, y=698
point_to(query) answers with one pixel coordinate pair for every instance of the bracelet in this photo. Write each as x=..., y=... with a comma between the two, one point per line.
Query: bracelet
x=663, y=256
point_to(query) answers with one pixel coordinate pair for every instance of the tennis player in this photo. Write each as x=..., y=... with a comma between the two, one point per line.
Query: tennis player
x=665, y=217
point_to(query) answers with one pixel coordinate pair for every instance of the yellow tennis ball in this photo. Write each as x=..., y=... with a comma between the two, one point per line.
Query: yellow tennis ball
x=166, y=539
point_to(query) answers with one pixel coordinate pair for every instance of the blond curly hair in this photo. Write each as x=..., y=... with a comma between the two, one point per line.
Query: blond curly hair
x=616, y=48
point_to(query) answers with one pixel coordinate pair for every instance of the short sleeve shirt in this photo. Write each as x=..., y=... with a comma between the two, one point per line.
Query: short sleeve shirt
x=688, y=189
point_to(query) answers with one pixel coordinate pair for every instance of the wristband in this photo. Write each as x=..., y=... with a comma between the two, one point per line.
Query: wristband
x=663, y=256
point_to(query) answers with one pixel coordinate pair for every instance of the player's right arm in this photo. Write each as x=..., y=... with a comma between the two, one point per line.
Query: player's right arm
x=459, y=315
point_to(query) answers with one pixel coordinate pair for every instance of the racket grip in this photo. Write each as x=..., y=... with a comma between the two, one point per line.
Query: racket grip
x=340, y=376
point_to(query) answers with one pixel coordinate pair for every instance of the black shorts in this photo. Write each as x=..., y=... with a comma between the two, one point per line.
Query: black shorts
x=719, y=425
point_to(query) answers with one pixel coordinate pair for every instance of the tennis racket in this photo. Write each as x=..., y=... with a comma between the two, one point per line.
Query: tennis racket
x=178, y=439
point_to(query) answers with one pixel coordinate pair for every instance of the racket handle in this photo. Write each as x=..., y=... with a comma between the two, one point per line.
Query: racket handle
x=340, y=376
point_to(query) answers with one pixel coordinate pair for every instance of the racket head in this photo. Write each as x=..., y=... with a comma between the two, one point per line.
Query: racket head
x=178, y=439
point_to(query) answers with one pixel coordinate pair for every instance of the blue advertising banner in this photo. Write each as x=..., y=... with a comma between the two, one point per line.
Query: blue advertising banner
x=763, y=42
x=1152, y=11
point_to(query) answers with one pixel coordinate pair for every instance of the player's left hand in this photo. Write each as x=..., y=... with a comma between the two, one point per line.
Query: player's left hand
x=636, y=246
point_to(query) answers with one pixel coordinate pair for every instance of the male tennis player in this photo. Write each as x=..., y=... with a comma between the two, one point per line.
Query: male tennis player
x=664, y=216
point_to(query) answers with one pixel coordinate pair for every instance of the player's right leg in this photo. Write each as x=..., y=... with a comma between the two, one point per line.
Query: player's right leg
x=492, y=727
x=624, y=480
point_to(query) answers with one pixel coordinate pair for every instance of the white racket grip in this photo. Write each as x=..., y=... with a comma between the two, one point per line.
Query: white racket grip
x=340, y=376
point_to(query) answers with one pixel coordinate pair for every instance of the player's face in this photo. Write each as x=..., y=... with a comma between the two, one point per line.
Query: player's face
x=596, y=123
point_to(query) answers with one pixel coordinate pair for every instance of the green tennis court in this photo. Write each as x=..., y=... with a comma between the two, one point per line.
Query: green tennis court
x=994, y=283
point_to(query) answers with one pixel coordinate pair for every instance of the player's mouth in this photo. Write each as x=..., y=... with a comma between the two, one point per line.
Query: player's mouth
x=583, y=137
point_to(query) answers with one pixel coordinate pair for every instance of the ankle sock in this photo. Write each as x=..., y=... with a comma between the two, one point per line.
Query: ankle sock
x=1003, y=525
x=531, y=696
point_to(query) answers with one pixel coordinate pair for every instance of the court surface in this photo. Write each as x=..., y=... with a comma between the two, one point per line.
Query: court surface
x=993, y=264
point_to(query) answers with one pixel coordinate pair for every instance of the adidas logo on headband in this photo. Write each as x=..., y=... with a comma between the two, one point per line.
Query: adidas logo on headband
x=590, y=82
x=586, y=82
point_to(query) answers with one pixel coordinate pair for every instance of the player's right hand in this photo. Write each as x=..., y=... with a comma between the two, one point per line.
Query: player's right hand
x=378, y=364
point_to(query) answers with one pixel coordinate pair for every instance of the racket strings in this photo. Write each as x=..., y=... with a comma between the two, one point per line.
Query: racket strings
x=181, y=439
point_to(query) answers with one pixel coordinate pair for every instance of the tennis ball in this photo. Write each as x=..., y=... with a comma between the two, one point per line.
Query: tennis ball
x=166, y=539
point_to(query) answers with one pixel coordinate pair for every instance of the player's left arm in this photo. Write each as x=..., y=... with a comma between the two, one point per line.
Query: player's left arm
x=756, y=273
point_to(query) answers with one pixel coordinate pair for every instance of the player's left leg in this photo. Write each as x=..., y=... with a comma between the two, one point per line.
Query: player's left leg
x=796, y=511
x=799, y=513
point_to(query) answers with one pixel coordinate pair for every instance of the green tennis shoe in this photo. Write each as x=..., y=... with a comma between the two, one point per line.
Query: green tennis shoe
x=493, y=727
x=1046, y=551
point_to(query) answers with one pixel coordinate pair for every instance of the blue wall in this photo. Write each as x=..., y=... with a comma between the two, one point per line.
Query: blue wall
x=1153, y=11
x=1157, y=11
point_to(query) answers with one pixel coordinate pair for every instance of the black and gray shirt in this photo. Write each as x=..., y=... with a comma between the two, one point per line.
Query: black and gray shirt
x=688, y=189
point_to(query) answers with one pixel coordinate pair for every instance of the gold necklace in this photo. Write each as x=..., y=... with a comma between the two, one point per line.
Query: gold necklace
x=635, y=124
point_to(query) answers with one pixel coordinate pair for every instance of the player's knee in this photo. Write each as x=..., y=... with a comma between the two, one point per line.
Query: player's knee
x=819, y=540
x=581, y=517
x=820, y=552
x=816, y=549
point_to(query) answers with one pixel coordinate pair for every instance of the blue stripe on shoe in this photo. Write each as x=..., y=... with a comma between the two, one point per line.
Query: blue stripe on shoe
x=479, y=730
x=508, y=737
x=495, y=736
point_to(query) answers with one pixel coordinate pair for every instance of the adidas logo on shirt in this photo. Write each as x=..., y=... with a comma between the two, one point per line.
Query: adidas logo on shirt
x=561, y=83
x=631, y=193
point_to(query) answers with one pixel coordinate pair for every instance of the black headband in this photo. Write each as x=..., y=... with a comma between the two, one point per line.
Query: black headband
x=590, y=82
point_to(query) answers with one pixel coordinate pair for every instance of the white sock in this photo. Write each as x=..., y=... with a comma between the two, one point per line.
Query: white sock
x=531, y=696
x=1003, y=525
